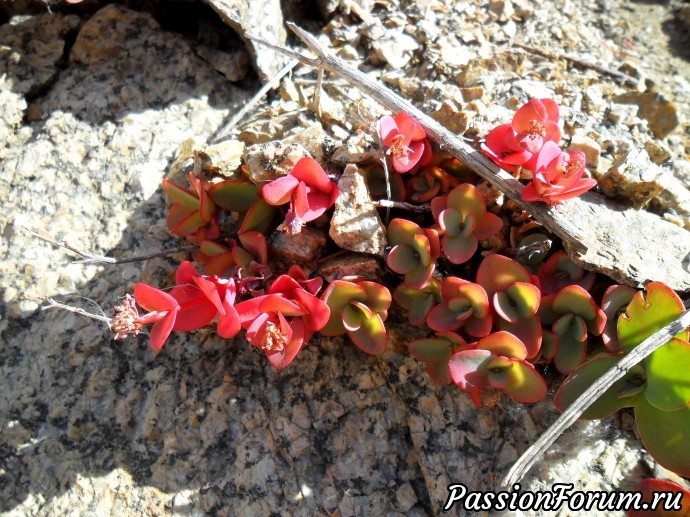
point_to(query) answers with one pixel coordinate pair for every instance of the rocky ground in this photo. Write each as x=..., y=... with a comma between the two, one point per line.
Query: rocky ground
x=95, y=102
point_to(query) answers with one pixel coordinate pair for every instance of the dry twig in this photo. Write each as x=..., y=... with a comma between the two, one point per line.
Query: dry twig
x=387, y=203
x=52, y=304
x=481, y=165
x=620, y=76
x=91, y=258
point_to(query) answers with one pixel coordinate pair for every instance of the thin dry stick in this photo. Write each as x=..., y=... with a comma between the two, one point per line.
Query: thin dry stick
x=531, y=455
x=251, y=104
x=481, y=165
x=624, y=78
x=91, y=258
x=52, y=304
x=387, y=203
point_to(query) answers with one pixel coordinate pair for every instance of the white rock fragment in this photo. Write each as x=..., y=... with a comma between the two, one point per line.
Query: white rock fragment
x=356, y=224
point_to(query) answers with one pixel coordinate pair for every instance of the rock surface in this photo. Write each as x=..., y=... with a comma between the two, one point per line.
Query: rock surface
x=90, y=426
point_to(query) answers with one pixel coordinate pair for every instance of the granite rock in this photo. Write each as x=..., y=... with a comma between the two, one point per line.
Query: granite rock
x=661, y=114
x=302, y=248
x=633, y=177
x=266, y=162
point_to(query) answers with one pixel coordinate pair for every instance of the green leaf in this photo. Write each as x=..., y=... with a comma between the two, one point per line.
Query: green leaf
x=668, y=376
x=258, y=217
x=337, y=296
x=497, y=273
x=402, y=231
x=371, y=336
x=647, y=314
x=573, y=299
x=612, y=400
x=234, y=195
x=503, y=344
x=570, y=352
x=180, y=194
x=435, y=353
x=526, y=297
x=523, y=383
x=665, y=434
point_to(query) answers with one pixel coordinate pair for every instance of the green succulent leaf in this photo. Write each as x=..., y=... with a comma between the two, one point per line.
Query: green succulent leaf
x=497, y=273
x=503, y=344
x=571, y=350
x=468, y=200
x=665, y=434
x=668, y=376
x=468, y=369
x=522, y=382
x=459, y=249
x=371, y=336
x=180, y=194
x=526, y=297
x=402, y=259
x=573, y=299
x=647, y=314
x=234, y=195
x=337, y=296
x=435, y=353
x=402, y=231
x=620, y=395
x=258, y=217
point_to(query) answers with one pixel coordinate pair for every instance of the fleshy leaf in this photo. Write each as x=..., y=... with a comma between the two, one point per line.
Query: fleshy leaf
x=647, y=314
x=258, y=217
x=665, y=434
x=497, y=273
x=503, y=344
x=610, y=401
x=371, y=336
x=523, y=383
x=668, y=382
x=180, y=194
x=234, y=195
x=650, y=489
x=613, y=303
x=467, y=369
x=337, y=295
x=435, y=353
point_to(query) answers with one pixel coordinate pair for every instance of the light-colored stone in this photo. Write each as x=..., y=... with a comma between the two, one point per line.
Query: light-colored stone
x=631, y=246
x=588, y=146
x=633, y=177
x=359, y=148
x=452, y=118
x=658, y=151
x=659, y=112
x=356, y=225
x=262, y=18
x=266, y=162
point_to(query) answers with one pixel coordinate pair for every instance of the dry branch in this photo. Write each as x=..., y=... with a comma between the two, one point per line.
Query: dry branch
x=482, y=166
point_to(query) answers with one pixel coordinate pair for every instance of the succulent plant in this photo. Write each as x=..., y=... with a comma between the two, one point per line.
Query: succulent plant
x=514, y=298
x=519, y=143
x=657, y=387
x=418, y=302
x=193, y=212
x=498, y=361
x=463, y=221
x=436, y=352
x=414, y=252
x=613, y=303
x=573, y=315
x=560, y=271
x=557, y=176
x=359, y=308
x=218, y=259
x=430, y=182
x=282, y=321
x=464, y=304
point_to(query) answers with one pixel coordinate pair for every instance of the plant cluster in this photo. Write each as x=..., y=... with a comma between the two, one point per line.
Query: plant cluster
x=492, y=331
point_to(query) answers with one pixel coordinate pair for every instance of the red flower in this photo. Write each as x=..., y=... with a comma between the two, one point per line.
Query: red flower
x=535, y=123
x=203, y=297
x=163, y=310
x=282, y=321
x=558, y=176
x=307, y=189
x=406, y=141
x=518, y=143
